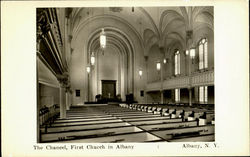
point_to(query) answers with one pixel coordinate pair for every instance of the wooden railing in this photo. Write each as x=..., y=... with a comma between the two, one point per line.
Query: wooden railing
x=196, y=79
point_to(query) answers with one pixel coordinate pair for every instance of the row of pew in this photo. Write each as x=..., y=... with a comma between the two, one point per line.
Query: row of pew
x=48, y=114
x=203, y=116
x=126, y=123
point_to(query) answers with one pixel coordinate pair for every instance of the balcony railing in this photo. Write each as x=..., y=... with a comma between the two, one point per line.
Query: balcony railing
x=177, y=82
x=203, y=78
x=154, y=86
x=196, y=79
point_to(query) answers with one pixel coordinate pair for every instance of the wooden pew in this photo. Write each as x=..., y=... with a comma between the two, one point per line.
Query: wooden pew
x=145, y=109
x=83, y=119
x=200, y=138
x=144, y=118
x=206, y=118
x=49, y=137
x=143, y=122
x=177, y=113
x=152, y=127
x=138, y=116
x=149, y=109
x=167, y=111
x=86, y=122
x=158, y=110
x=129, y=114
x=128, y=137
x=185, y=131
x=82, y=127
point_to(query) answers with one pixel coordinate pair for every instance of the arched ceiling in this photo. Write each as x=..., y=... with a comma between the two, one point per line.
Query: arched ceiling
x=153, y=25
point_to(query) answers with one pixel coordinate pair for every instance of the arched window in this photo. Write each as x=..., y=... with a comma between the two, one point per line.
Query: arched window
x=203, y=61
x=177, y=65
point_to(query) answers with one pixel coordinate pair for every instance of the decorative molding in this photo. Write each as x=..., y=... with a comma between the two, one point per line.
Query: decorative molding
x=45, y=82
x=49, y=35
x=64, y=80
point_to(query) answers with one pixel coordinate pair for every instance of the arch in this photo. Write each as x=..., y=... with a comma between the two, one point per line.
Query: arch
x=85, y=22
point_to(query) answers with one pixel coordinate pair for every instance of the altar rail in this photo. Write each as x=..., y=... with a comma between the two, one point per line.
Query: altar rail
x=196, y=79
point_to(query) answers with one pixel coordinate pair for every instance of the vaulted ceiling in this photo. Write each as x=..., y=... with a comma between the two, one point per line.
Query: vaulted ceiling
x=164, y=26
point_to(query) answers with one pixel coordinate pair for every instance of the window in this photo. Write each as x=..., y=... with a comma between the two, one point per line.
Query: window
x=177, y=66
x=77, y=92
x=177, y=95
x=142, y=93
x=203, y=94
x=203, y=61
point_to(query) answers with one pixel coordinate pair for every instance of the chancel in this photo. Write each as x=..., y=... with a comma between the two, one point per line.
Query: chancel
x=125, y=74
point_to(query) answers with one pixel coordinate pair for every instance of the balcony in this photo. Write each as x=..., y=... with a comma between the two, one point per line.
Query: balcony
x=177, y=82
x=196, y=79
x=154, y=86
x=203, y=78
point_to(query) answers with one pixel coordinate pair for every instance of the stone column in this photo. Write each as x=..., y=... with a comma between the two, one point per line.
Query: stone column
x=64, y=84
x=88, y=88
x=162, y=69
x=62, y=102
x=67, y=99
x=189, y=44
x=146, y=60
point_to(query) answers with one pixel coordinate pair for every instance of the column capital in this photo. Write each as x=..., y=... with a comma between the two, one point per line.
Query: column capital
x=68, y=89
x=63, y=80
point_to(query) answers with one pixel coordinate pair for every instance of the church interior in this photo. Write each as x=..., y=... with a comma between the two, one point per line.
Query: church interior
x=125, y=74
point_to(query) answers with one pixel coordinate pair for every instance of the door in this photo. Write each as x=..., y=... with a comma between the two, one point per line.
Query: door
x=109, y=89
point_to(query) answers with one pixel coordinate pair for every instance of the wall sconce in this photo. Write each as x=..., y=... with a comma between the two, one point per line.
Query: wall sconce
x=158, y=66
x=187, y=52
x=140, y=73
x=92, y=59
x=88, y=69
x=164, y=60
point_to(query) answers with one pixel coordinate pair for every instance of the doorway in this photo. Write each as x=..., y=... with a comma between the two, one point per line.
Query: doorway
x=108, y=89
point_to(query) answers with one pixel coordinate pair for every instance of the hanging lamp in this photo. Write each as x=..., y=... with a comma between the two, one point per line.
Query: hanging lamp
x=103, y=39
x=92, y=59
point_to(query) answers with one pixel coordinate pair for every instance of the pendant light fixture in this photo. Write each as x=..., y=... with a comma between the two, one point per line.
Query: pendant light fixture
x=103, y=39
x=92, y=58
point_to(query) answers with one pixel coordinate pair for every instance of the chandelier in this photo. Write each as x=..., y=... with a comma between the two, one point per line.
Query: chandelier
x=103, y=39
